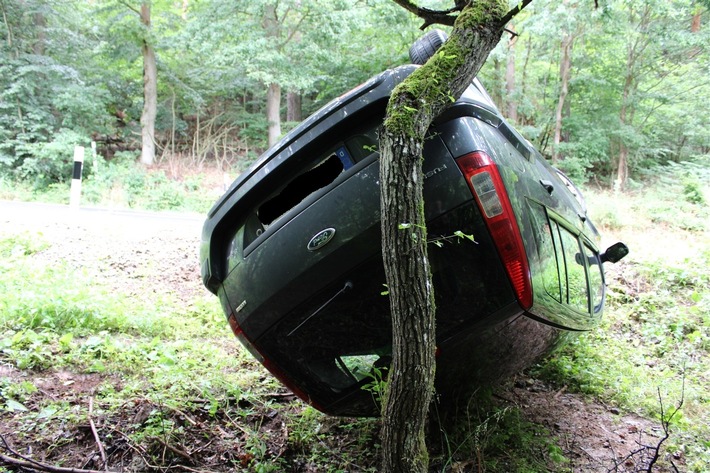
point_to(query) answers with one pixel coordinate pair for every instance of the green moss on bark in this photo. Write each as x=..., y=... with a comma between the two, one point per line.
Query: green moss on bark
x=482, y=13
x=423, y=91
x=426, y=90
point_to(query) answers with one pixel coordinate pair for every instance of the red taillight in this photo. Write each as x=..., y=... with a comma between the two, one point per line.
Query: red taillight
x=487, y=187
x=268, y=364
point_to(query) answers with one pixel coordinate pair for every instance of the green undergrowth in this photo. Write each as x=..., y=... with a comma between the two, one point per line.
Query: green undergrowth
x=159, y=372
x=156, y=373
x=121, y=183
x=498, y=439
x=60, y=299
x=652, y=351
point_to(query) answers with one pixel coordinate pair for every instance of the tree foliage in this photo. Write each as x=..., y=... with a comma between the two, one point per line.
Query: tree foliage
x=72, y=71
x=667, y=71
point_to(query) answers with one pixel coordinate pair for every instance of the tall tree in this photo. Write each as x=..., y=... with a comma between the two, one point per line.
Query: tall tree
x=150, y=90
x=649, y=66
x=510, y=97
x=569, y=34
x=272, y=28
x=286, y=45
x=139, y=31
x=50, y=93
x=477, y=28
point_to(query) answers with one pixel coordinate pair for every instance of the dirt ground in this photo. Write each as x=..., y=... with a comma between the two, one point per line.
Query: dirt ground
x=127, y=250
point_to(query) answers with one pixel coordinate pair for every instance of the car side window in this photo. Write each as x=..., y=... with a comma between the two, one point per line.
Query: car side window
x=547, y=237
x=596, y=278
x=576, y=277
x=571, y=269
x=559, y=292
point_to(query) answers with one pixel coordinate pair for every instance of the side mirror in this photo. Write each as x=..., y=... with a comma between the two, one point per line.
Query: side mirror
x=615, y=253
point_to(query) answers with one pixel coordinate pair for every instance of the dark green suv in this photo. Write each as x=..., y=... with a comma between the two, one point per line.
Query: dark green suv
x=293, y=251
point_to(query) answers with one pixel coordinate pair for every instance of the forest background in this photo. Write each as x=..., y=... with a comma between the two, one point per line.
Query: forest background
x=609, y=94
x=616, y=96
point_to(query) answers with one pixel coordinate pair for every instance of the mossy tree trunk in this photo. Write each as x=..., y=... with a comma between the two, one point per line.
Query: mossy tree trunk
x=413, y=105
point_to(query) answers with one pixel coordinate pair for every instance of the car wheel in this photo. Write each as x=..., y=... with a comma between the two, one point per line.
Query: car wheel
x=426, y=46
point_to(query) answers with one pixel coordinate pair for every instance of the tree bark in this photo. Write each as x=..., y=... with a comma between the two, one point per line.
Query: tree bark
x=294, y=112
x=496, y=89
x=150, y=93
x=40, y=25
x=634, y=52
x=271, y=27
x=565, y=67
x=411, y=109
x=622, y=169
x=273, y=113
x=510, y=99
x=695, y=22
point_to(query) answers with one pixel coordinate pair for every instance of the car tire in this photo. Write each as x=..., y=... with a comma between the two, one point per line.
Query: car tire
x=426, y=46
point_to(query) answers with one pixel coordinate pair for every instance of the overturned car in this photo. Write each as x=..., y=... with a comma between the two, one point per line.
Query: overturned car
x=293, y=251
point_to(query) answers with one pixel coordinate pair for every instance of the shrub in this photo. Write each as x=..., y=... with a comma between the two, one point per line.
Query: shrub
x=693, y=191
x=50, y=162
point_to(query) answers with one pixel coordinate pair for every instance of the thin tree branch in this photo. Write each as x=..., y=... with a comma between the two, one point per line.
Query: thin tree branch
x=130, y=7
x=295, y=30
x=174, y=449
x=22, y=461
x=665, y=423
x=668, y=99
x=35, y=465
x=517, y=9
x=102, y=452
x=7, y=26
x=512, y=33
x=430, y=17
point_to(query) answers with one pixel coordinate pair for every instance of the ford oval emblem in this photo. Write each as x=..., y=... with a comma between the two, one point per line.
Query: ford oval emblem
x=320, y=239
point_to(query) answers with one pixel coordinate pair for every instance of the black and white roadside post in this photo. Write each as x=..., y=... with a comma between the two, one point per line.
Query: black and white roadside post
x=75, y=192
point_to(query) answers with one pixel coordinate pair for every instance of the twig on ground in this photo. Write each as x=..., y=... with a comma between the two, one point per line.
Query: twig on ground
x=175, y=450
x=100, y=445
x=280, y=396
x=140, y=451
x=35, y=465
x=197, y=450
x=23, y=461
x=136, y=448
x=665, y=423
x=653, y=450
x=192, y=470
x=560, y=392
x=185, y=416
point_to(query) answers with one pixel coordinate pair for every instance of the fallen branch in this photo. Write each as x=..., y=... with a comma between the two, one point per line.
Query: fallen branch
x=102, y=452
x=280, y=396
x=174, y=449
x=22, y=461
x=35, y=465
x=654, y=451
x=666, y=424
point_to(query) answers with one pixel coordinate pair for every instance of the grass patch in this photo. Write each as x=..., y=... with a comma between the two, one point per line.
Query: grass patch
x=61, y=299
x=157, y=374
x=163, y=374
x=653, y=348
x=495, y=439
x=123, y=183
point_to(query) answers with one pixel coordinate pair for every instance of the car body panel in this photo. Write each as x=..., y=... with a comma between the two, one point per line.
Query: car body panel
x=293, y=252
